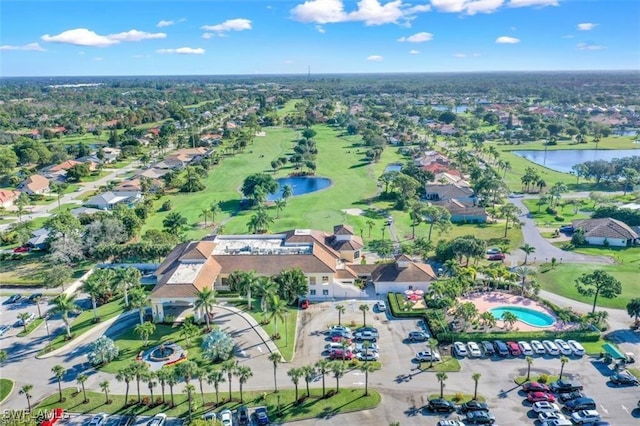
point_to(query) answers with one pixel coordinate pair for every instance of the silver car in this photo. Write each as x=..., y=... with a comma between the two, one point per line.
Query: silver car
x=550, y=347
x=563, y=347
x=538, y=347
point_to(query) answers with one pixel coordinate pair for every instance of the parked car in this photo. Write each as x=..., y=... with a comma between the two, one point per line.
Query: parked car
x=557, y=422
x=538, y=347
x=366, y=335
x=98, y=419
x=243, y=415
x=580, y=404
x=13, y=298
x=480, y=418
x=525, y=348
x=226, y=418
x=449, y=423
x=514, y=349
x=545, y=407
x=624, y=379
x=565, y=386
x=497, y=256
x=367, y=356
x=334, y=345
x=441, y=405
x=339, y=328
x=494, y=250
x=340, y=333
x=515, y=195
x=372, y=348
x=576, y=347
x=540, y=396
x=563, y=347
x=501, y=348
x=339, y=339
x=210, y=416
x=304, y=304
x=474, y=406
x=418, y=336
x=568, y=396
x=550, y=347
x=369, y=329
x=342, y=354
x=585, y=416
x=535, y=387
x=427, y=356
x=34, y=297
x=474, y=350
x=487, y=348
x=568, y=229
x=460, y=349
x=21, y=249
x=381, y=306
x=262, y=416
x=158, y=420
x=546, y=416
x=4, y=329
x=28, y=319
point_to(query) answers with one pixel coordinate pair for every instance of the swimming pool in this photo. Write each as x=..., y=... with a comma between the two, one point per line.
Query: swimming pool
x=528, y=316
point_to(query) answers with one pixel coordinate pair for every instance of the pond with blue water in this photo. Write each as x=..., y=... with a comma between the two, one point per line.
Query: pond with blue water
x=393, y=168
x=300, y=185
x=563, y=159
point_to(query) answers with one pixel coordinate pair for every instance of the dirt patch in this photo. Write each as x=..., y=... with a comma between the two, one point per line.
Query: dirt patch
x=353, y=212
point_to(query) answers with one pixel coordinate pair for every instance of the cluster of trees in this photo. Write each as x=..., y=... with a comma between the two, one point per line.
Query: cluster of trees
x=288, y=285
x=628, y=216
x=619, y=171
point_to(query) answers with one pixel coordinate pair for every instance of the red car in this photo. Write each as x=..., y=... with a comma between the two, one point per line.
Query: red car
x=535, y=387
x=304, y=304
x=21, y=249
x=496, y=256
x=341, y=354
x=514, y=349
x=540, y=396
x=340, y=339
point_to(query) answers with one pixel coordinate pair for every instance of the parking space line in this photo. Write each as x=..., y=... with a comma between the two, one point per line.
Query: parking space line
x=604, y=409
x=625, y=409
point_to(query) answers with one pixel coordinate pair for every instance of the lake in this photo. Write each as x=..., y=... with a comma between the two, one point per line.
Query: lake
x=300, y=185
x=563, y=160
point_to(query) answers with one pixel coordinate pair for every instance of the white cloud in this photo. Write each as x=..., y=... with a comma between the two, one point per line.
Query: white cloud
x=476, y=55
x=98, y=59
x=375, y=58
x=182, y=51
x=371, y=12
x=470, y=7
x=417, y=38
x=528, y=3
x=589, y=46
x=414, y=52
x=587, y=26
x=86, y=37
x=568, y=36
x=320, y=29
x=507, y=40
x=207, y=36
x=33, y=47
x=162, y=24
x=239, y=24
x=460, y=55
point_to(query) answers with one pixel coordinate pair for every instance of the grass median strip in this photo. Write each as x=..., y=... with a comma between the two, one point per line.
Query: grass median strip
x=448, y=364
x=30, y=327
x=6, y=386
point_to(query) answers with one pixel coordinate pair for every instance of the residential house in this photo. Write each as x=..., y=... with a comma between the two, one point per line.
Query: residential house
x=607, y=232
x=461, y=213
x=8, y=197
x=447, y=186
x=403, y=274
x=39, y=239
x=110, y=155
x=35, y=184
x=108, y=200
x=154, y=173
x=135, y=184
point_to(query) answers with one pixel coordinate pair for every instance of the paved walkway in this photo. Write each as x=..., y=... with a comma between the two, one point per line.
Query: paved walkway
x=255, y=326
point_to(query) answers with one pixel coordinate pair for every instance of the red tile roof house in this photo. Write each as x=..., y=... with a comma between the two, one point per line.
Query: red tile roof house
x=322, y=257
x=35, y=184
x=8, y=197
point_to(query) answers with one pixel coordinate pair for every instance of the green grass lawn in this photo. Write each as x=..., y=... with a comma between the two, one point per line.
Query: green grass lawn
x=29, y=269
x=289, y=107
x=448, y=364
x=6, y=386
x=610, y=142
x=347, y=400
x=561, y=280
x=31, y=326
x=567, y=211
x=536, y=377
x=458, y=398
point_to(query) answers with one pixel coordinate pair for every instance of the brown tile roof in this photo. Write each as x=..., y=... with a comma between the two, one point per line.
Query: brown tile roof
x=36, y=183
x=65, y=165
x=7, y=195
x=413, y=273
x=363, y=269
x=198, y=250
x=353, y=244
x=605, y=228
x=272, y=264
x=342, y=230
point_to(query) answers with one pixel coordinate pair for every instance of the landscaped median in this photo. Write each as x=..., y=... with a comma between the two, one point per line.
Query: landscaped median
x=30, y=327
x=6, y=386
x=314, y=406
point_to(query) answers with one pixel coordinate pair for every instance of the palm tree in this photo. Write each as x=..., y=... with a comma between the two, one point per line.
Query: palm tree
x=442, y=377
x=341, y=309
x=364, y=308
x=280, y=204
x=529, y=360
x=370, y=224
x=229, y=366
x=204, y=213
x=24, y=318
x=187, y=370
x=246, y=281
x=172, y=380
x=125, y=375
x=3, y=356
x=24, y=390
x=201, y=374
x=189, y=389
x=163, y=376
x=309, y=373
x=138, y=370
x=214, y=210
x=260, y=221
x=127, y=278
x=150, y=377
x=509, y=319
x=275, y=358
x=476, y=379
x=287, y=192
x=265, y=287
x=104, y=386
x=95, y=286
x=205, y=300
x=65, y=304
x=323, y=367
x=215, y=377
x=139, y=300
x=81, y=379
x=189, y=330
x=295, y=374
x=338, y=369
x=527, y=249
x=433, y=347
x=366, y=368
x=243, y=373
x=563, y=361
x=59, y=372
x=523, y=272
x=276, y=311
x=145, y=330
x=633, y=309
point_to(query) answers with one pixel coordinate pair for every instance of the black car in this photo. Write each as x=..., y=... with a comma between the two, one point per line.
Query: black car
x=579, y=404
x=568, y=396
x=440, y=404
x=561, y=386
x=480, y=418
x=501, y=348
x=474, y=406
x=624, y=379
x=487, y=348
x=243, y=415
x=34, y=297
x=13, y=298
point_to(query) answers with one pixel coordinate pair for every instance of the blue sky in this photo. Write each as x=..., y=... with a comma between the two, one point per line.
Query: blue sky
x=162, y=37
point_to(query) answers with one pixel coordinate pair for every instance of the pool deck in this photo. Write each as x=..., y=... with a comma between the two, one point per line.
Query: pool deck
x=486, y=301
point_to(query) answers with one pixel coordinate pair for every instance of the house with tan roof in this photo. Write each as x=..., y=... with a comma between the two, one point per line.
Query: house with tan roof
x=35, y=184
x=326, y=259
x=8, y=197
x=403, y=274
x=607, y=231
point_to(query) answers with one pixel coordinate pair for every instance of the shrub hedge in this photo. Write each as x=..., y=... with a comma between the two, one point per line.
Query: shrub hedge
x=394, y=304
x=582, y=336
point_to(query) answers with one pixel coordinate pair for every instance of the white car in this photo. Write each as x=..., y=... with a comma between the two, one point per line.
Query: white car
x=340, y=328
x=335, y=345
x=538, y=347
x=158, y=420
x=526, y=348
x=460, y=349
x=550, y=347
x=370, y=356
x=226, y=418
x=474, y=350
x=427, y=356
x=585, y=416
x=381, y=306
x=545, y=407
x=557, y=422
x=576, y=347
x=27, y=320
x=551, y=415
x=372, y=348
x=563, y=347
x=98, y=419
